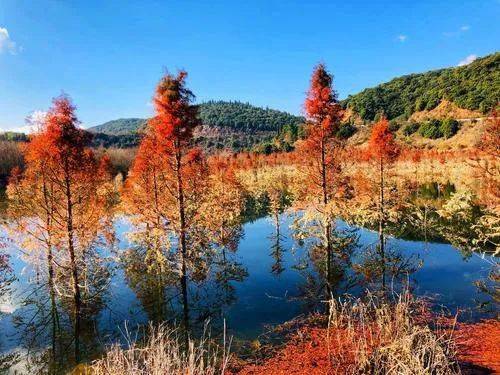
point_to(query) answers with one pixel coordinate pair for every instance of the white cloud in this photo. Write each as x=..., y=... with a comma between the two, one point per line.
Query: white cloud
x=36, y=118
x=461, y=30
x=6, y=43
x=33, y=122
x=402, y=38
x=467, y=60
x=27, y=129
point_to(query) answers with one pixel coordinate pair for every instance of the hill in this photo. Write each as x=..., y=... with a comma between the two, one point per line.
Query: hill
x=121, y=126
x=228, y=116
x=232, y=125
x=474, y=87
x=244, y=117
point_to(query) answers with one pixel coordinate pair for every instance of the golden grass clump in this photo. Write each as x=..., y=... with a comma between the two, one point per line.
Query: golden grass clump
x=389, y=338
x=162, y=353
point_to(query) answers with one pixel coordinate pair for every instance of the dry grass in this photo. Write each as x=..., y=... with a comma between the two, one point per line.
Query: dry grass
x=367, y=336
x=162, y=353
x=376, y=337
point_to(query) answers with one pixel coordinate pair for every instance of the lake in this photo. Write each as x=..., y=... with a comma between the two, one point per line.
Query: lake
x=271, y=290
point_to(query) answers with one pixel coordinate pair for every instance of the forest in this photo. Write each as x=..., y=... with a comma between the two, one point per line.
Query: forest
x=306, y=253
x=474, y=87
x=225, y=125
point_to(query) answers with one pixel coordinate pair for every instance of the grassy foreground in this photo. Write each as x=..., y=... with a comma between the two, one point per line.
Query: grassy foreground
x=357, y=337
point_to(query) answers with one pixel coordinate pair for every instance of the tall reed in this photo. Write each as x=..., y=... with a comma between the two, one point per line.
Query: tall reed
x=162, y=353
x=374, y=336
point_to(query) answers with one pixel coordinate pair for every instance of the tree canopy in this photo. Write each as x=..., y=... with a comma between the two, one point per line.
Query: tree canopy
x=474, y=87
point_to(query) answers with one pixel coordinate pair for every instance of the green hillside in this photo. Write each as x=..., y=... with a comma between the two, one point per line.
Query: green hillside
x=121, y=126
x=228, y=116
x=245, y=117
x=475, y=87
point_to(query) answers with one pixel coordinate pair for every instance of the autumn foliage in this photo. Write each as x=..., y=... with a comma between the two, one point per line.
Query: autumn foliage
x=381, y=144
x=164, y=189
x=61, y=200
x=187, y=212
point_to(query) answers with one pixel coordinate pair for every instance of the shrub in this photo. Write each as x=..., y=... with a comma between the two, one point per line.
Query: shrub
x=431, y=129
x=410, y=128
x=449, y=127
x=394, y=125
x=10, y=157
x=415, y=351
x=346, y=131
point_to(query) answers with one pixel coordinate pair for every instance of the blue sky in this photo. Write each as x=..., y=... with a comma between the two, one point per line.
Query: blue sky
x=108, y=55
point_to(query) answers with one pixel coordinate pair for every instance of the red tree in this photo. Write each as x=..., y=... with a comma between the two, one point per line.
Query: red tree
x=167, y=178
x=322, y=150
x=65, y=189
x=383, y=150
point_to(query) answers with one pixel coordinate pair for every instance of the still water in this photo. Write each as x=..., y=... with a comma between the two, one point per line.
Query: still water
x=270, y=293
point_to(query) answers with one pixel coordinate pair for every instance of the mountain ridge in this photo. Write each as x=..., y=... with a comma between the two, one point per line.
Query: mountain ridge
x=233, y=115
x=474, y=87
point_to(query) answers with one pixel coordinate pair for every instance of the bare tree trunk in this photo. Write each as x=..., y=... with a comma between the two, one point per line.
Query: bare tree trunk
x=183, y=248
x=328, y=225
x=50, y=268
x=381, y=226
x=74, y=270
x=52, y=293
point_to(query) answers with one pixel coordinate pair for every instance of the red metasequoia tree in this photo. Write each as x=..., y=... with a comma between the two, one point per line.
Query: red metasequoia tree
x=60, y=200
x=321, y=151
x=167, y=179
x=382, y=150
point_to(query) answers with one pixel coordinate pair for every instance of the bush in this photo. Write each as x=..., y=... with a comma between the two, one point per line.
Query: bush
x=418, y=351
x=10, y=157
x=346, y=131
x=431, y=129
x=410, y=128
x=394, y=125
x=449, y=127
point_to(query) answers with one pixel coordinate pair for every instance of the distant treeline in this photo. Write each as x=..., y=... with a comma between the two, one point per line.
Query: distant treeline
x=10, y=157
x=13, y=137
x=227, y=125
x=234, y=116
x=122, y=126
x=118, y=141
x=474, y=87
x=244, y=117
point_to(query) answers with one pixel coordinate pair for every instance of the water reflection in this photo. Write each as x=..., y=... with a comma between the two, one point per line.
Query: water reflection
x=237, y=282
x=277, y=247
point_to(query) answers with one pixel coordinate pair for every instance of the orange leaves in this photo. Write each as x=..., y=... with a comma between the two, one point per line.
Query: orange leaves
x=321, y=105
x=175, y=116
x=479, y=344
x=166, y=168
x=381, y=145
x=322, y=153
x=58, y=165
